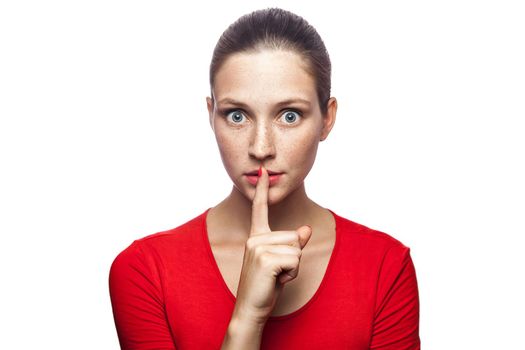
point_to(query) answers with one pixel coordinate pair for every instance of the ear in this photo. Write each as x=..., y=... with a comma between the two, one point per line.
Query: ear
x=329, y=118
x=209, y=104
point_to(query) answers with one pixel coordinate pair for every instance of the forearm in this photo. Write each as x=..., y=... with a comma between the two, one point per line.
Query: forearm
x=242, y=335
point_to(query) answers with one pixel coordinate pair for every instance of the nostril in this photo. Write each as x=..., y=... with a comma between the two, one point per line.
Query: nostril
x=261, y=149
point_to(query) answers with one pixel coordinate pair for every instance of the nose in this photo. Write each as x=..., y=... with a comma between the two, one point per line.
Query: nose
x=261, y=144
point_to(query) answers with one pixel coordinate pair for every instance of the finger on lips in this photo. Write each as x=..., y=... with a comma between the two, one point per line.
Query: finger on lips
x=260, y=204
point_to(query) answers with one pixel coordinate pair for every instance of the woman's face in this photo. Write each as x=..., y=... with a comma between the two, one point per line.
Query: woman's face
x=265, y=111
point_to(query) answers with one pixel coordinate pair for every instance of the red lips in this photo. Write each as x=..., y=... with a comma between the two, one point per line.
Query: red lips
x=259, y=172
x=273, y=179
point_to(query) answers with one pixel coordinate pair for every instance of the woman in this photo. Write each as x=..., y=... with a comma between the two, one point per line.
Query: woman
x=267, y=267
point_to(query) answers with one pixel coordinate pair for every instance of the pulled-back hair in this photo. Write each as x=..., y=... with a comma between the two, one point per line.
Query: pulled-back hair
x=278, y=29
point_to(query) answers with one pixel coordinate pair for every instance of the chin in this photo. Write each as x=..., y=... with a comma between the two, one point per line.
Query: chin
x=274, y=198
x=275, y=195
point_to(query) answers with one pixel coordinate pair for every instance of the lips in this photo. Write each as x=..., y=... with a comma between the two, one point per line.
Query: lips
x=254, y=178
x=256, y=172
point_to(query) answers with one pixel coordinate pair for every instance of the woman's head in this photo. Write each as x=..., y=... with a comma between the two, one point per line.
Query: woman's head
x=265, y=107
x=276, y=29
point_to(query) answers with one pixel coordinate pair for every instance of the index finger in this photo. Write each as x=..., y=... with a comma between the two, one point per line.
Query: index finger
x=260, y=205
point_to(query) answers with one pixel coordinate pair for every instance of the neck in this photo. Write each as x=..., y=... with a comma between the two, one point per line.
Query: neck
x=292, y=212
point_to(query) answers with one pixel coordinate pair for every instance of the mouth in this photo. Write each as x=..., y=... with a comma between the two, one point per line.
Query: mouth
x=274, y=177
x=256, y=173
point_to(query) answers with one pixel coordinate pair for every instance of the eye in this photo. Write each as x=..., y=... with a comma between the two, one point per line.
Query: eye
x=291, y=117
x=234, y=116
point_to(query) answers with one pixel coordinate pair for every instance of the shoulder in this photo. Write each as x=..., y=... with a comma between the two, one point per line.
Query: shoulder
x=371, y=251
x=379, y=254
x=366, y=237
x=179, y=233
x=153, y=248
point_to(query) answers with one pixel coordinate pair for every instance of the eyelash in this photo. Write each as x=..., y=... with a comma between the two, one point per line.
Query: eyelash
x=226, y=113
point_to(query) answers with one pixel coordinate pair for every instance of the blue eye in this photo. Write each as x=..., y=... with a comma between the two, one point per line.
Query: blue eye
x=291, y=117
x=236, y=116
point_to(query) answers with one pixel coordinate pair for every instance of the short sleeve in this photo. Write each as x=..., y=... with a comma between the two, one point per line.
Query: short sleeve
x=137, y=301
x=396, y=321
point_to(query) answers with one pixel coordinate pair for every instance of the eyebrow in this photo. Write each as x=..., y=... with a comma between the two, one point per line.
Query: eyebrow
x=279, y=104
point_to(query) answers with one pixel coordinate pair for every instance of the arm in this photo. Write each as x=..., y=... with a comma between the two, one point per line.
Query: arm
x=242, y=335
x=138, y=308
x=270, y=260
x=137, y=301
x=396, y=321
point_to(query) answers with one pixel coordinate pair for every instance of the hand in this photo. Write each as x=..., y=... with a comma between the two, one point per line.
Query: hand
x=271, y=259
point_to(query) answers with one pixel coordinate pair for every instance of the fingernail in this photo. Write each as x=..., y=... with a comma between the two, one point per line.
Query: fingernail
x=260, y=171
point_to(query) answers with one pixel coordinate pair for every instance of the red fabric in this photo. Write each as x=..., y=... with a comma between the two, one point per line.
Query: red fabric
x=167, y=293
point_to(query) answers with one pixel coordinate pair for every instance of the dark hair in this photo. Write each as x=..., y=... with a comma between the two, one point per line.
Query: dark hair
x=275, y=28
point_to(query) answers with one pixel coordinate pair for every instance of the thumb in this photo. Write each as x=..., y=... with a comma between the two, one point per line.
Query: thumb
x=305, y=232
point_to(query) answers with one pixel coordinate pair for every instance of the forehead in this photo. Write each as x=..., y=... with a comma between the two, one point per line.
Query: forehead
x=265, y=76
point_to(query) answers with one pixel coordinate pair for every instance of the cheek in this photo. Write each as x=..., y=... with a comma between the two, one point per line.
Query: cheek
x=230, y=148
x=302, y=150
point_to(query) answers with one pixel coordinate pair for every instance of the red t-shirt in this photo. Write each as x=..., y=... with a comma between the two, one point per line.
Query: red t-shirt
x=167, y=293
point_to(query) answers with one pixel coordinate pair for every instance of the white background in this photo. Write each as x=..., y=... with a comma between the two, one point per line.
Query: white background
x=104, y=139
